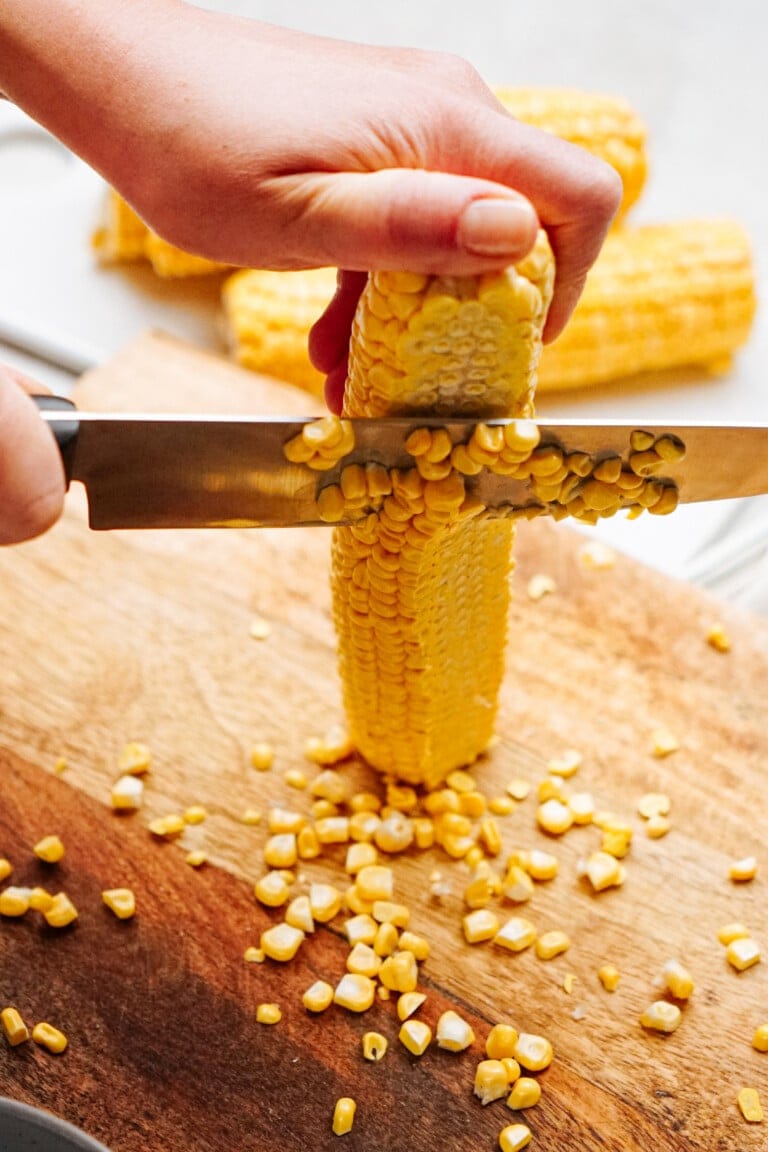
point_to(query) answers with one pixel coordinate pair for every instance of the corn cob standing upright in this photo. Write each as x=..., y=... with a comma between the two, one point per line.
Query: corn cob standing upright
x=421, y=589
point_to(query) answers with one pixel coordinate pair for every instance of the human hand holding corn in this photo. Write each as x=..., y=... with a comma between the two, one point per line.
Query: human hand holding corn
x=265, y=147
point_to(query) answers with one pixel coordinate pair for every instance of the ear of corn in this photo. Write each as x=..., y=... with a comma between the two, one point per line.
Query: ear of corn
x=605, y=125
x=123, y=237
x=421, y=590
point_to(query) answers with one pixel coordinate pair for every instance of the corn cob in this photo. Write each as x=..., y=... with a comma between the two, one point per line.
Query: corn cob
x=659, y=296
x=605, y=125
x=421, y=589
x=124, y=238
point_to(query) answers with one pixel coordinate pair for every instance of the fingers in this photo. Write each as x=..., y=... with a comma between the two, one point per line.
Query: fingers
x=329, y=336
x=31, y=472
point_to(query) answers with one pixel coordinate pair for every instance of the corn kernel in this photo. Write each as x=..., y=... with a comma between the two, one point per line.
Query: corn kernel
x=325, y=901
x=514, y=1137
x=49, y=1037
x=355, y=903
x=343, y=1115
x=363, y=825
x=654, y=804
x=60, y=765
x=663, y=742
x=361, y=929
x=374, y=1046
x=259, y=628
x=268, y=1014
x=597, y=555
x=134, y=760
x=408, y=1003
x=731, y=932
x=511, y=1068
x=479, y=892
x=318, y=996
x=517, y=885
x=280, y=851
x=678, y=980
x=742, y=870
x=399, y=972
x=251, y=816
x=127, y=794
x=602, y=870
x=262, y=756
x=657, y=826
x=566, y=764
x=359, y=855
x=402, y=797
x=364, y=802
x=480, y=925
x=60, y=912
x=322, y=809
x=552, y=944
x=718, y=638
x=271, y=890
x=453, y=1032
x=550, y=789
x=539, y=586
x=416, y=1036
x=760, y=1038
x=526, y=1092
x=749, y=1105
x=423, y=832
x=491, y=1081
x=501, y=805
x=518, y=789
x=355, y=992
x=14, y=901
x=254, y=955
x=661, y=1016
x=5, y=868
x=281, y=942
x=743, y=953
x=363, y=960
x=40, y=899
x=307, y=844
x=472, y=804
x=332, y=830
x=387, y=939
x=501, y=1042
x=418, y=945
x=167, y=827
x=299, y=914
x=331, y=748
x=394, y=833
x=532, y=1052
x=554, y=817
x=541, y=865
x=383, y=993
x=14, y=1028
x=375, y=882
x=609, y=977
x=516, y=934
x=121, y=901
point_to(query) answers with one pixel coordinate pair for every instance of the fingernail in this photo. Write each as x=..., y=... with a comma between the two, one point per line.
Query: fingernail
x=496, y=227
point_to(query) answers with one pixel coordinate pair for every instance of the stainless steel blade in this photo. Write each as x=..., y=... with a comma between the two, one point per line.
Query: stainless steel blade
x=170, y=471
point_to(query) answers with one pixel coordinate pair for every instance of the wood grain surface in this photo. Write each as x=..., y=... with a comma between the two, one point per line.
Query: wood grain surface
x=106, y=638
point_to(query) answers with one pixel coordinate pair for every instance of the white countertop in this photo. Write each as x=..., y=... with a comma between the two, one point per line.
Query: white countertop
x=694, y=71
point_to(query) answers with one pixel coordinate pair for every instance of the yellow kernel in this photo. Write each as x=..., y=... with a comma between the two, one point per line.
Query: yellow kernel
x=402, y=797
x=654, y=804
x=731, y=932
x=760, y=1038
x=554, y=817
x=50, y=849
x=749, y=1105
x=322, y=809
x=40, y=899
x=361, y=929
x=374, y=1046
x=541, y=865
x=281, y=942
x=394, y=833
x=355, y=903
x=254, y=955
x=343, y=1115
x=121, y=901
x=318, y=996
x=359, y=855
x=408, y=1003
x=5, y=868
x=569, y=982
x=418, y=945
x=480, y=925
x=514, y=1137
x=609, y=977
x=325, y=900
x=518, y=789
x=299, y=914
x=501, y=1042
x=387, y=939
x=539, y=586
x=550, y=789
x=678, y=980
x=516, y=934
x=375, y=882
x=472, y=804
x=602, y=870
x=307, y=844
x=259, y=628
x=195, y=814
x=14, y=1028
x=399, y=972
x=262, y=756
x=363, y=825
x=423, y=832
x=490, y=836
x=511, y=1068
x=461, y=781
x=526, y=1092
x=49, y=1037
x=663, y=742
x=491, y=1081
x=332, y=830
x=60, y=912
x=280, y=851
x=594, y=554
x=566, y=764
x=479, y=892
x=661, y=1016
x=501, y=805
x=517, y=885
x=134, y=760
x=383, y=993
x=295, y=778
x=453, y=1032
x=657, y=826
x=552, y=944
x=333, y=747
x=387, y=912
x=355, y=992
x=271, y=890
x=167, y=827
x=532, y=1052
x=363, y=959
x=743, y=953
x=268, y=1014
x=251, y=816
x=364, y=802
x=416, y=1036
x=718, y=638
x=14, y=901
x=60, y=765
x=742, y=870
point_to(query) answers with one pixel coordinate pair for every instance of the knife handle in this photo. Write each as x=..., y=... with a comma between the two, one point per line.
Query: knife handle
x=65, y=432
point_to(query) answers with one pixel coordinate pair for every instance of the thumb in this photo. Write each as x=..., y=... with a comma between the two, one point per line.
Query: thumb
x=403, y=218
x=31, y=472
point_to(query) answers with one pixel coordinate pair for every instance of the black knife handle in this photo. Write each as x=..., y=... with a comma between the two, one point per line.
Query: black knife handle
x=65, y=432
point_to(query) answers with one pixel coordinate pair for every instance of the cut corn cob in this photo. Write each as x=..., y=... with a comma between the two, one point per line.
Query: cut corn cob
x=660, y=296
x=420, y=589
x=123, y=237
x=605, y=125
x=171, y=262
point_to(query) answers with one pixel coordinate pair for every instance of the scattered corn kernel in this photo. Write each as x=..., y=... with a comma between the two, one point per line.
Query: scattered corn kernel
x=550, y=788
x=325, y=902
x=167, y=827
x=259, y=628
x=501, y=805
x=262, y=756
x=60, y=765
x=661, y=1016
x=663, y=742
x=501, y=1042
x=361, y=929
x=343, y=1115
x=539, y=586
x=511, y=1068
x=491, y=1082
x=597, y=555
x=333, y=747
x=387, y=912
x=271, y=890
x=363, y=959
x=355, y=992
x=268, y=1014
x=554, y=816
x=609, y=977
x=254, y=955
x=718, y=638
x=387, y=939
x=375, y=882
x=318, y=996
x=569, y=982
x=518, y=789
x=657, y=826
x=582, y=805
x=281, y=941
x=127, y=794
x=731, y=932
x=479, y=892
x=480, y=925
x=423, y=832
x=532, y=1052
x=526, y=1092
x=654, y=804
x=374, y=1046
x=394, y=833
x=135, y=759
x=359, y=855
x=678, y=980
x=566, y=764
x=416, y=1036
x=307, y=844
x=121, y=901
x=453, y=1032
x=14, y=1028
x=251, y=816
x=399, y=972
x=322, y=809
x=418, y=945
x=602, y=869
x=408, y=1003
x=60, y=912
x=295, y=778
x=743, y=870
x=541, y=865
x=516, y=934
x=552, y=944
x=40, y=899
x=743, y=953
x=332, y=829
x=5, y=868
x=760, y=1038
x=280, y=851
x=749, y=1105
x=363, y=825
x=49, y=1037
x=14, y=901
x=517, y=885
x=299, y=914
x=514, y=1137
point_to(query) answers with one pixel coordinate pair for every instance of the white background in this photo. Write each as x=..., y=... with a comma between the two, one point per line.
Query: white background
x=695, y=71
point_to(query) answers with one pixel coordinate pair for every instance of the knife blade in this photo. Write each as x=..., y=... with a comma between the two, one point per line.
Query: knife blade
x=193, y=471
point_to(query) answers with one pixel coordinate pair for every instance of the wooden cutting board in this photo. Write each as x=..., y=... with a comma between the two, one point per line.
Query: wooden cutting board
x=106, y=638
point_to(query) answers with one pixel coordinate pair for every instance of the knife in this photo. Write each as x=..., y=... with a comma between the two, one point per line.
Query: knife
x=191, y=471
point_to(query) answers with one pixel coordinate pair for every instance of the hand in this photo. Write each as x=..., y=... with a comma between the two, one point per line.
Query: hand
x=31, y=472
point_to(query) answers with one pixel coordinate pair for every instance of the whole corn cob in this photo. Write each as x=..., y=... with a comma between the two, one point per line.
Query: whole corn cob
x=605, y=125
x=123, y=237
x=660, y=296
x=421, y=589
